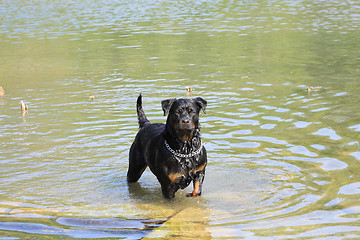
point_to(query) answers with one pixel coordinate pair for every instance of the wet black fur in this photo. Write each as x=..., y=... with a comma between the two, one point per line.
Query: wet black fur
x=182, y=132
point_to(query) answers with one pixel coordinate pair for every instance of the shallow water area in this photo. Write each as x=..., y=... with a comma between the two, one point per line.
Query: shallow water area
x=281, y=127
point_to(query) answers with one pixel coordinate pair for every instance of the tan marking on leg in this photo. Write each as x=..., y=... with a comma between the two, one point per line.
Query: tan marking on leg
x=142, y=170
x=196, y=189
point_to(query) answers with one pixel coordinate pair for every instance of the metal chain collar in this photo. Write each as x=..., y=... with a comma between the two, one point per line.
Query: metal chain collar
x=183, y=155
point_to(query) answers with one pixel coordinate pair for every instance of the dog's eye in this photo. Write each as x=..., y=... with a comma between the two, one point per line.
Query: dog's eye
x=180, y=111
x=190, y=111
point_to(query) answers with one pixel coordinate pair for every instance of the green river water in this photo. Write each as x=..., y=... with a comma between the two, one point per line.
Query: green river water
x=282, y=81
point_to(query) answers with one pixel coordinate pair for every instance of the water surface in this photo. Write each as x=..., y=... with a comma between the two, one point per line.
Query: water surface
x=283, y=157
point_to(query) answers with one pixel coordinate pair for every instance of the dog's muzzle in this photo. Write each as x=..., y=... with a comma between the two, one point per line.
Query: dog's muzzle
x=186, y=124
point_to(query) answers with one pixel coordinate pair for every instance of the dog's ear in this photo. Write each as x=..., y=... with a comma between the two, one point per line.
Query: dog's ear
x=202, y=103
x=166, y=105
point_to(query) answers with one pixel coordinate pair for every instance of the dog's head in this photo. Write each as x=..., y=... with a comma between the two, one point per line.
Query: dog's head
x=183, y=116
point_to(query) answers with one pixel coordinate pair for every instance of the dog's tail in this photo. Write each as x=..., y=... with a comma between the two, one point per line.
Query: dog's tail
x=140, y=112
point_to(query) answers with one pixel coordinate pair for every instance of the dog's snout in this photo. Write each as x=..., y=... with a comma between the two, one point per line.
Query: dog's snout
x=186, y=121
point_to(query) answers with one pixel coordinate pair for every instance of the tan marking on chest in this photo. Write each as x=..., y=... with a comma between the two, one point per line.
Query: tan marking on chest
x=199, y=168
x=174, y=176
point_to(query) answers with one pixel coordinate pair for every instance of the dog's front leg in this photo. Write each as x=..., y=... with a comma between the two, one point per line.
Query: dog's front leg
x=169, y=189
x=197, y=183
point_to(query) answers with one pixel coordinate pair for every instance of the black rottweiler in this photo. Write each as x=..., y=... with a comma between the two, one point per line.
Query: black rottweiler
x=173, y=151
